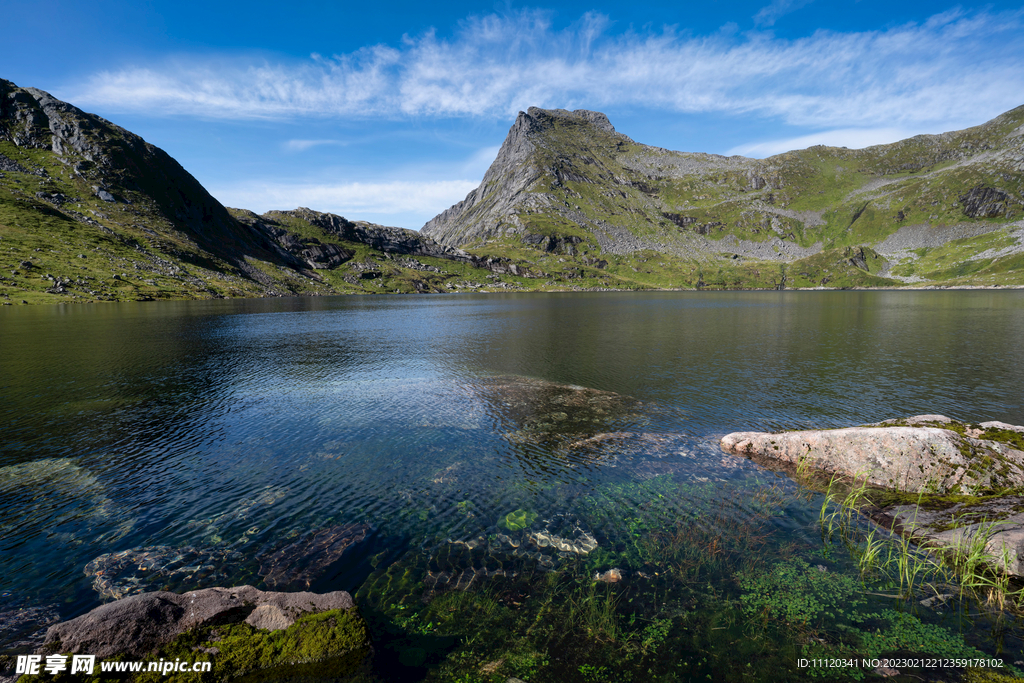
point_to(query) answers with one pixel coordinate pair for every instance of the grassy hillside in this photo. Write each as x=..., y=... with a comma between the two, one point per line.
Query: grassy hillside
x=90, y=212
x=953, y=197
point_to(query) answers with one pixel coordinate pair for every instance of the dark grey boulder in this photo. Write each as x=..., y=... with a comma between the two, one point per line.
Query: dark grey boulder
x=139, y=624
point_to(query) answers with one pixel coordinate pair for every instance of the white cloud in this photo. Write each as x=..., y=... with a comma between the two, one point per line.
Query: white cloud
x=303, y=145
x=951, y=70
x=855, y=138
x=769, y=14
x=416, y=201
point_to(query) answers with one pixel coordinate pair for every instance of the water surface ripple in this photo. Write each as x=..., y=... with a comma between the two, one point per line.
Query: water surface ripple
x=242, y=426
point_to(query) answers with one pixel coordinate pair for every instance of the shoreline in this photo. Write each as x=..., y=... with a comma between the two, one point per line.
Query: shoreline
x=928, y=288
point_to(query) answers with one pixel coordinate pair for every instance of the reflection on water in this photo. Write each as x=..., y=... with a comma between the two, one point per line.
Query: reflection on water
x=417, y=449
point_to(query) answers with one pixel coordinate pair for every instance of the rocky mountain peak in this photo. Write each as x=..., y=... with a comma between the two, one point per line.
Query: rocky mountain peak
x=493, y=207
x=593, y=117
x=532, y=125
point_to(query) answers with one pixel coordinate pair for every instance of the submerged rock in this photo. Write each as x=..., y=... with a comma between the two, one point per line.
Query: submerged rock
x=535, y=411
x=613, y=575
x=24, y=626
x=581, y=543
x=464, y=580
x=921, y=454
x=138, y=570
x=162, y=567
x=301, y=563
x=50, y=493
x=213, y=528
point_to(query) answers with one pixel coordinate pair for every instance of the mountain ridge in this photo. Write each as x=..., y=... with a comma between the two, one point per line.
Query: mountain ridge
x=696, y=205
x=79, y=193
x=91, y=212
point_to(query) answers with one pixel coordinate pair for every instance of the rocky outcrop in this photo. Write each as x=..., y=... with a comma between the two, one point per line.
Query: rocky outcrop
x=106, y=154
x=984, y=202
x=944, y=462
x=11, y=166
x=996, y=525
x=489, y=209
x=121, y=167
x=554, y=245
x=295, y=251
x=387, y=239
x=560, y=174
x=915, y=455
x=392, y=241
x=140, y=624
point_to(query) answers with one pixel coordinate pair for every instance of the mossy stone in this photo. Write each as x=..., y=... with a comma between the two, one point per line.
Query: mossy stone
x=330, y=645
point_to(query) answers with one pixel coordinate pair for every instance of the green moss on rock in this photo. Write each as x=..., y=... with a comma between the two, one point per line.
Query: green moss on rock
x=329, y=646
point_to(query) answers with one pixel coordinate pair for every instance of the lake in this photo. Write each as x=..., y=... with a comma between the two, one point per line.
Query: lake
x=465, y=465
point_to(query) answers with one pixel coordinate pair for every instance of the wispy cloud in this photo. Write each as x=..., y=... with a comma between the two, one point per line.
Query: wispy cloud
x=769, y=14
x=951, y=69
x=855, y=138
x=419, y=199
x=303, y=145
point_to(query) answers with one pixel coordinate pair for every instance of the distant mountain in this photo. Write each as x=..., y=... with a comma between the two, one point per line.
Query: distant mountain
x=92, y=212
x=940, y=208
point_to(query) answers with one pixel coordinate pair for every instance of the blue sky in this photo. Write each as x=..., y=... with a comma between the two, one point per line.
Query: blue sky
x=391, y=112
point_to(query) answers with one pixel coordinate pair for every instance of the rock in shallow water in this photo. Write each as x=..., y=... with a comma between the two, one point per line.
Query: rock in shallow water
x=296, y=566
x=997, y=525
x=915, y=455
x=924, y=454
x=23, y=626
x=613, y=575
x=52, y=494
x=139, y=624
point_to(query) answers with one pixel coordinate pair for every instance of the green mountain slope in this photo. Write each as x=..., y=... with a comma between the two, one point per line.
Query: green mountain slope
x=935, y=209
x=91, y=212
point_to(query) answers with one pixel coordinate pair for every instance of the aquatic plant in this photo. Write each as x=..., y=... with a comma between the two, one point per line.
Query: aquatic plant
x=906, y=632
x=593, y=610
x=518, y=520
x=795, y=593
x=869, y=557
x=979, y=568
x=908, y=567
x=711, y=589
x=837, y=513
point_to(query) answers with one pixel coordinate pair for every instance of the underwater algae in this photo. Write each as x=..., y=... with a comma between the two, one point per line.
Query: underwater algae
x=615, y=553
